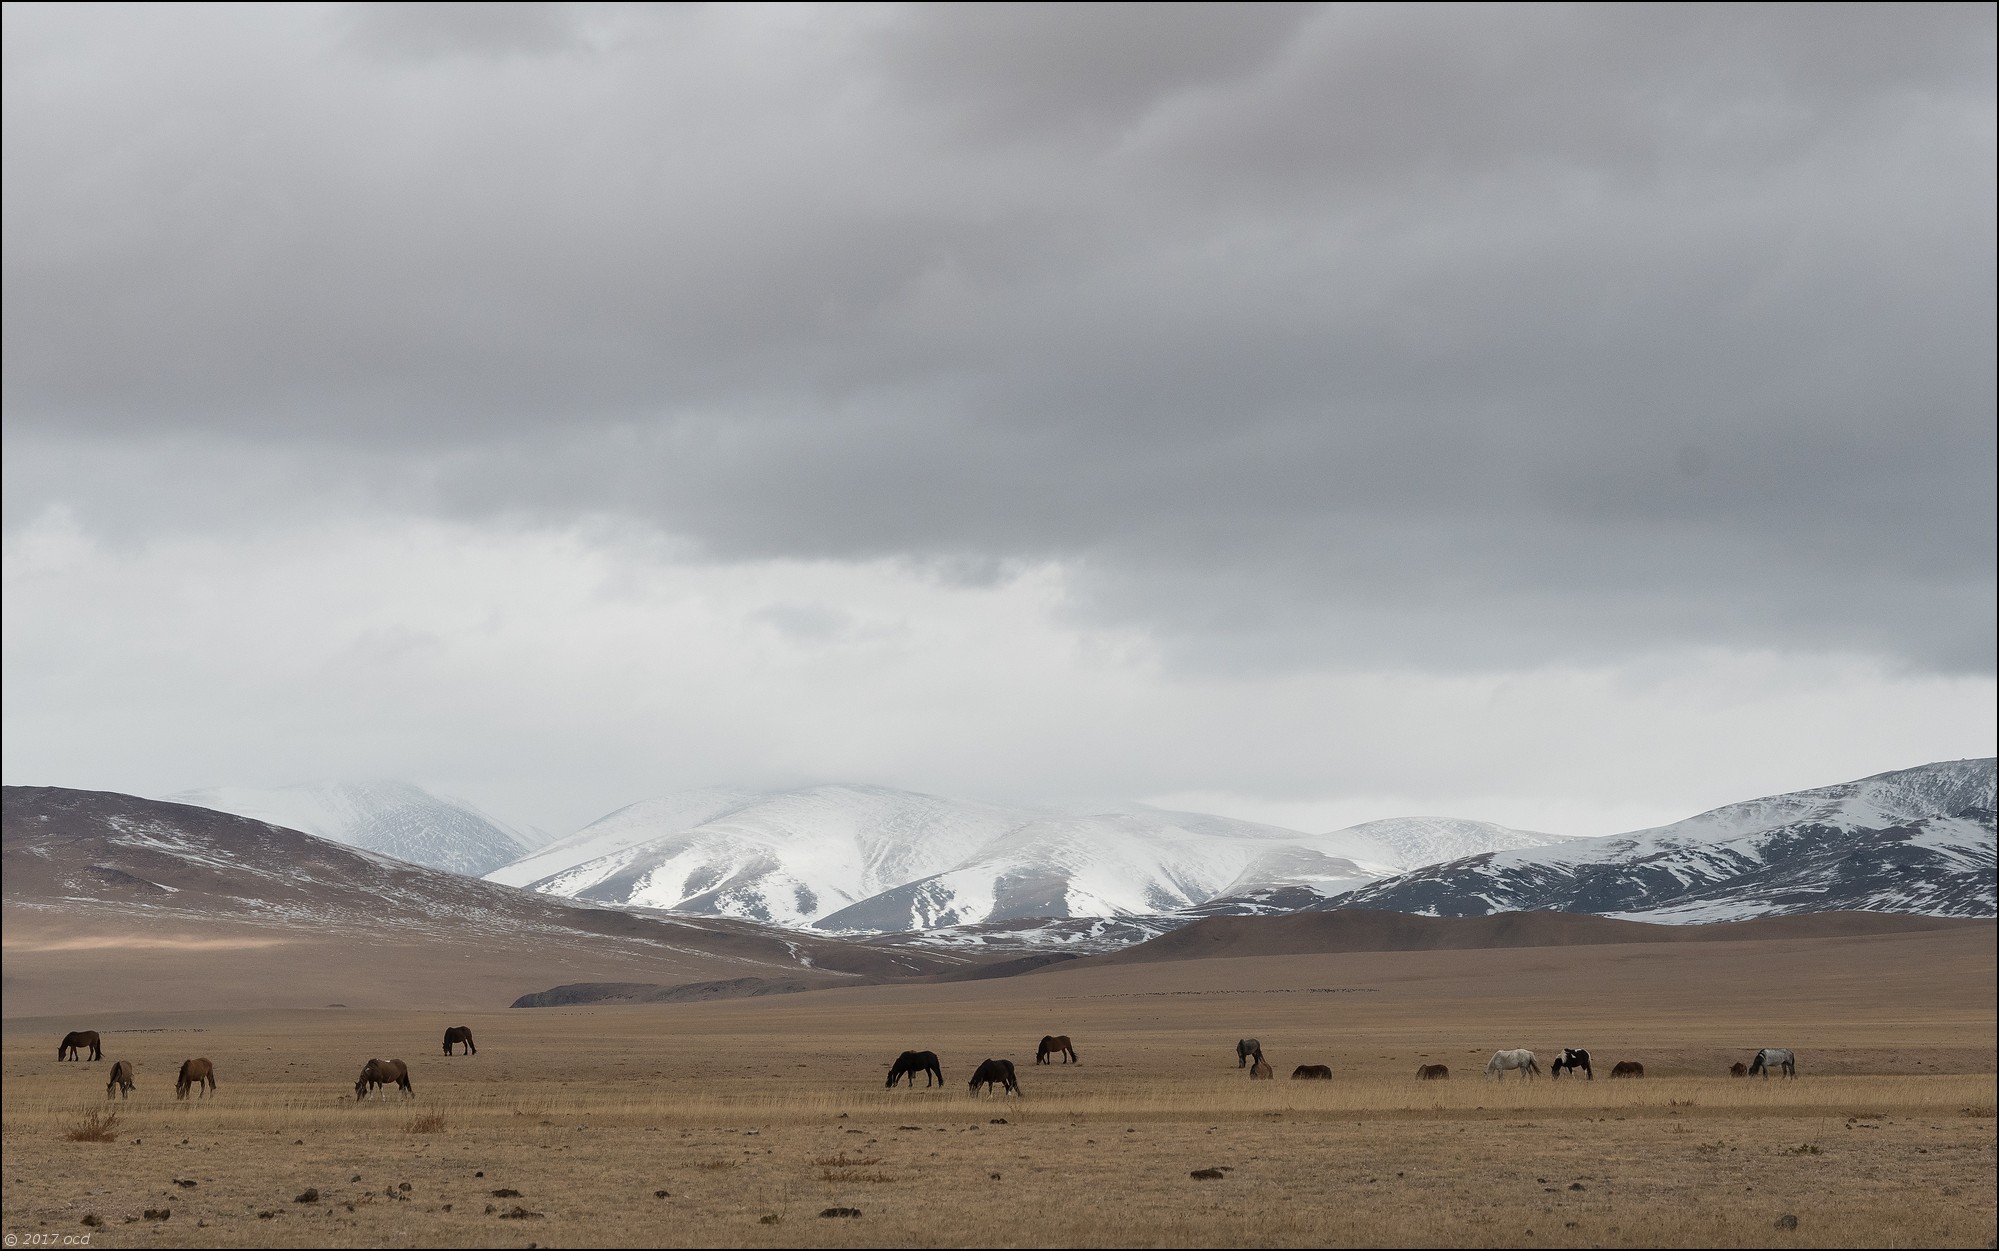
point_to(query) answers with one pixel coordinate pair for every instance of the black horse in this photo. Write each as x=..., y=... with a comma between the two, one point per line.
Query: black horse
x=72, y=1045
x=1245, y=1049
x=993, y=1072
x=911, y=1063
x=1572, y=1058
x=459, y=1034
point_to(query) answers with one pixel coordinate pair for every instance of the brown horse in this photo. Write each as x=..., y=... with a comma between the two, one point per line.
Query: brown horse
x=1627, y=1068
x=121, y=1080
x=72, y=1045
x=1053, y=1043
x=1261, y=1070
x=383, y=1073
x=1433, y=1073
x=194, y=1074
x=459, y=1034
x=1312, y=1073
x=1738, y=1069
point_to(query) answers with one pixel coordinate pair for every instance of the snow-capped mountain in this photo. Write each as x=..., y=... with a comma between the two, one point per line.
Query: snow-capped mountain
x=1914, y=840
x=392, y=818
x=785, y=857
x=1411, y=842
x=874, y=860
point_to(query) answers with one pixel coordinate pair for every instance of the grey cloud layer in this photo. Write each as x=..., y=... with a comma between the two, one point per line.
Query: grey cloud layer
x=1435, y=336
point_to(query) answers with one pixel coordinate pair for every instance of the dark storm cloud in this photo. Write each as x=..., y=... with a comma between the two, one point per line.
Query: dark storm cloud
x=1438, y=336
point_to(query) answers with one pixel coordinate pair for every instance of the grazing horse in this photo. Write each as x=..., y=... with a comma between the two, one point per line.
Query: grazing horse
x=121, y=1080
x=1312, y=1073
x=460, y=1034
x=1052, y=1044
x=1245, y=1049
x=1572, y=1058
x=1774, y=1058
x=1738, y=1069
x=1627, y=1068
x=193, y=1075
x=383, y=1073
x=1261, y=1070
x=1433, y=1073
x=72, y=1045
x=912, y=1063
x=1519, y=1058
x=995, y=1071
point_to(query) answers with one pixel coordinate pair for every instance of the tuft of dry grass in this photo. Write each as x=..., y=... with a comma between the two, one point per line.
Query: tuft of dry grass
x=95, y=1126
x=425, y=1123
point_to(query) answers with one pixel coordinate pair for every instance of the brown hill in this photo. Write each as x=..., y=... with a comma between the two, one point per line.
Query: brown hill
x=115, y=900
x=1359, y=929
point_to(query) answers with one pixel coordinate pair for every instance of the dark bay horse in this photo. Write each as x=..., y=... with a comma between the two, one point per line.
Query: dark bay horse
x=121, y=1080
x=195, y=1074
x=1571, y=1059
x=995, y=1072
x=1053, y=1043
x=383, y=1073
x=1312, y=1073
x=1738, y=1069
x=1246, y=1048
x=1627, y=1068
x=1261, y=1070
x=910, y=1063
x=1433, y=1073
x=72, y=1045
x=460, y=1034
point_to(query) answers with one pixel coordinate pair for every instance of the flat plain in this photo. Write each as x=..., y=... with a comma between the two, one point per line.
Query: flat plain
x=740, y=1122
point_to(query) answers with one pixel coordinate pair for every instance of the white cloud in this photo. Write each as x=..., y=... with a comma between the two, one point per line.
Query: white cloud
x=556, y=674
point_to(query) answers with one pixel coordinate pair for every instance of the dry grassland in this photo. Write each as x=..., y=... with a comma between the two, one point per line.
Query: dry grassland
x=754, y=1116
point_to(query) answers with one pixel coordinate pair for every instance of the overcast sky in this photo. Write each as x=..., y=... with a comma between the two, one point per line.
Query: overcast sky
x=1574, y=418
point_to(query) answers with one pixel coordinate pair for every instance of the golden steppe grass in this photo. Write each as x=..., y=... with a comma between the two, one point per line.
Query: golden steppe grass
x=754, y=1116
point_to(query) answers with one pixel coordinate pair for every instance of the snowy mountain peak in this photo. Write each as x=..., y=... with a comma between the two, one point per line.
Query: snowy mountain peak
x=1411, y=842
x=851, y=857
x=392, y=818
x=1913, y=840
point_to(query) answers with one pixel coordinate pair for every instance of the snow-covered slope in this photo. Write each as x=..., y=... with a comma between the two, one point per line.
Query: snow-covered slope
x=786, y=857
x=1136, y=863
x=392, y=818
x=1914, y=840
x=864, y=858
x=1411, y=842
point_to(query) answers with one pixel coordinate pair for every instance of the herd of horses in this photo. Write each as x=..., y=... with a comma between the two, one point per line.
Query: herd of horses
x=198, y=1074
x=1573, y=1059
x=1249, y=1055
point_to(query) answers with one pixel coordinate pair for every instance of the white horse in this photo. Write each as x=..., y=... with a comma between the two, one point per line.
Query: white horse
x=1774, y=1058
x=1520, y=1058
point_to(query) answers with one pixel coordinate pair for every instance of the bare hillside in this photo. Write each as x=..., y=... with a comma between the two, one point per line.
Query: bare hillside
x=114, y=899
